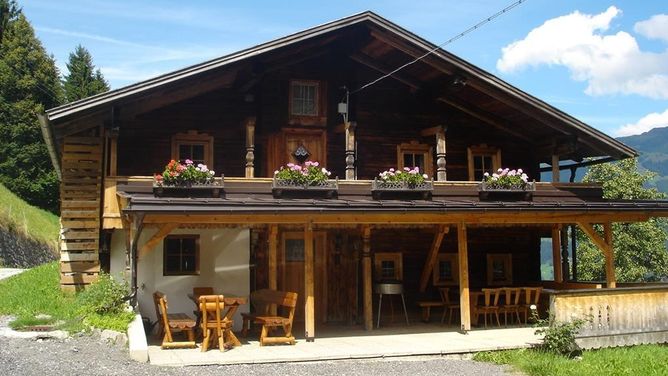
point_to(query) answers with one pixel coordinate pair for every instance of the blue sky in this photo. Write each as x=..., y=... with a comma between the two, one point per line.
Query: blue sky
x=604, y=62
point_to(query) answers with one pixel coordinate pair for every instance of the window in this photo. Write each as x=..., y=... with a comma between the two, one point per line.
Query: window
x=499, y=269
x=483, y=159
x=304, y=98
x=446, y=271
x=195, y=146
x=415, y=155
x=181, y=255
x=388, y=266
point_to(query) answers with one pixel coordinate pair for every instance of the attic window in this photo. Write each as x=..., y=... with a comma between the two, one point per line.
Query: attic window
x=304, y=97
x=415, y=155
x=481, y=159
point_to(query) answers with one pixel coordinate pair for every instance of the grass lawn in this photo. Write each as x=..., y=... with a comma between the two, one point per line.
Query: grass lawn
x=37, y=291
x=641, y=360
x=34, y=223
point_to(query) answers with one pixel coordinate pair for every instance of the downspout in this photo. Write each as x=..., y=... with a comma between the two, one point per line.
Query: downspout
x=47, y=134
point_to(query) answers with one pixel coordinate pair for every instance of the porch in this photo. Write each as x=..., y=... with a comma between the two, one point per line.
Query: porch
x=339, y=343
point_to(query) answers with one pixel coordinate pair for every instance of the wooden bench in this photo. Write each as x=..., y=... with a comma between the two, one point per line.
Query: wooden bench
x=426, y=306
x=263, y=301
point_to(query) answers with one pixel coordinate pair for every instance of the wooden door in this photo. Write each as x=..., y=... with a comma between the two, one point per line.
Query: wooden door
x=292, y=273
x=284, y=144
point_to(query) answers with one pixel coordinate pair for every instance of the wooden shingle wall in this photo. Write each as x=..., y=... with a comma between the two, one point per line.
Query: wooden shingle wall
x=80, y=211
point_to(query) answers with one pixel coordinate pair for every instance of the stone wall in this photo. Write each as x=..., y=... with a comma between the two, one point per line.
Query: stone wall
x=16, y=251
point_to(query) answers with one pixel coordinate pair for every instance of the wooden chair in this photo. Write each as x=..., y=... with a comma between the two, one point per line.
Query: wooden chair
x=531, y=297
x=511, y=303
x=171, y=323
x=490, y=305
x=197, y=292
x=263, y=300
x=448, y=306
x=214, y=324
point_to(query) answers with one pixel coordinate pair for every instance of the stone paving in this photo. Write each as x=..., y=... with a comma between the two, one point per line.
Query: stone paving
x=423, y=339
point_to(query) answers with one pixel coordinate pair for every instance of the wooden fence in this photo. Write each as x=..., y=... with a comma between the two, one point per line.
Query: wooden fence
x=618, y=317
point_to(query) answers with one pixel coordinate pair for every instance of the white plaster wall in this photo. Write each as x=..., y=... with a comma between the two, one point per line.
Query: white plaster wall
x=224, y=265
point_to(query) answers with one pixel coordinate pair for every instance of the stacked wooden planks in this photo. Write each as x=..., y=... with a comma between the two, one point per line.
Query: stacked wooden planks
x=80, y=211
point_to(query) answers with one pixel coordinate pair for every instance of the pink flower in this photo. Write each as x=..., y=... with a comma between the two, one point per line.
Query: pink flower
x=290, y=165
x=189, y=162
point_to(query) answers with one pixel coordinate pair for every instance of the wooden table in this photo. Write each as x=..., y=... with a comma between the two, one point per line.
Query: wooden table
x=232, y=303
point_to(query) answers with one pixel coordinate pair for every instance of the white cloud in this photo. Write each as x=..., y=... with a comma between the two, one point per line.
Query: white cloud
x=609, y=63
x=646, y=123
x=654, y=28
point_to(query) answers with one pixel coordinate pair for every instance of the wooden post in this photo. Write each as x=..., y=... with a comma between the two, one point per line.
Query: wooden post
x=605, y=244
x=555, y=169
x=610, y=277
x=272, y=274
x=556, y=254
x=366, y=276
x=432, y=257
x=113, y=156
x=309, y=284
x=464, y=301
x=250, y=147
x=441, y=174
x=350, y=150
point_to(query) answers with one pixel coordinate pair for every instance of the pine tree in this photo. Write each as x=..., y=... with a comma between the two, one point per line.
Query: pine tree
x=83, y=80
x=29, y=84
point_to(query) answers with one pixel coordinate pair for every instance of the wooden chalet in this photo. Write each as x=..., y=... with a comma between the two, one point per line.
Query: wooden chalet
x=250, y=112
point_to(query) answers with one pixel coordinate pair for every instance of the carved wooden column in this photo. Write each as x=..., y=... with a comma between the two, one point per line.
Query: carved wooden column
x=366, y=277
x=250, y=147
x=350, y=150
x=440, y=154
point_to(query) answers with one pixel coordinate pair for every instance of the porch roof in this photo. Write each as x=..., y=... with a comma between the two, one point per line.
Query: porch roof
x=550, y=203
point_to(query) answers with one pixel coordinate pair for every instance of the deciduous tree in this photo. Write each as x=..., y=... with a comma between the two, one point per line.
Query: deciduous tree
x=640, y=247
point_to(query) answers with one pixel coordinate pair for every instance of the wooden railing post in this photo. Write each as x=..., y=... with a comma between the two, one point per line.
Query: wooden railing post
x=350, y=150
x=441, y=174
x=610, y=277
x=250, y=147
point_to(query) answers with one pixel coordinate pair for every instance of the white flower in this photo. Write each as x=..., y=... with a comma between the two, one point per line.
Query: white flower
x=212, y=172
x=486, y=174
x=275, y=172
x=519, y=171
x=324, y=171
x=532, y=307
x=425, y=176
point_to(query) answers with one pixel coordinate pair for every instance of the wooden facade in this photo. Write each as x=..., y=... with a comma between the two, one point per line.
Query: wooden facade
x=237, y=114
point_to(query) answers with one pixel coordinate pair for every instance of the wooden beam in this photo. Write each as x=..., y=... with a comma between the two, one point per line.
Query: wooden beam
x=556, y=254
x=605, y=245
x=366, y=277
x=156, y=238
x=486, y=117
x=432, y=257
x=382, y=68
x=309, y=284
x=463, y=258
x=113, y=156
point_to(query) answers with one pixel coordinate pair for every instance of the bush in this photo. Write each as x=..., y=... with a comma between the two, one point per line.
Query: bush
x=559, y=337
x=105, y=296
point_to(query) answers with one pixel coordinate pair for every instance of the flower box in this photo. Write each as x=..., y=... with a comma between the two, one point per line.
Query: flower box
x=401, y=189
x=212, y=190
x=287, y=188
x=503, y=194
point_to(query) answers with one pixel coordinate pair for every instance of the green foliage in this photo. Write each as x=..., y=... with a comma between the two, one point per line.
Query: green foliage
x=177, y=174
x=32, y=222
x=83, y=80
x=640, y=248
x=104, y=296
x=28, y=85
x=646, y=360
x=37, y=291
x=309, y=174
x=559, y=337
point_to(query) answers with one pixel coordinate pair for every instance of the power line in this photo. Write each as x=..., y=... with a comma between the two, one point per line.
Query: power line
x=458, y=36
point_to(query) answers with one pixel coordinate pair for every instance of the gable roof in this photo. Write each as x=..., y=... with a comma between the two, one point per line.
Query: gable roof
x=543, y=112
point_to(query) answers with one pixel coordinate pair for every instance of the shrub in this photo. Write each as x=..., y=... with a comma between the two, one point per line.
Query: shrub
x=105, y=296
x=559, y=337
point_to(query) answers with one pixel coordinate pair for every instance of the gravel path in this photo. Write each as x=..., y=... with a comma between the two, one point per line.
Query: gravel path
x=88, y=355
